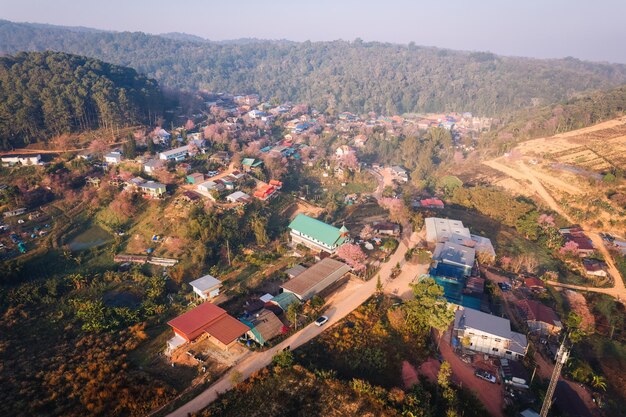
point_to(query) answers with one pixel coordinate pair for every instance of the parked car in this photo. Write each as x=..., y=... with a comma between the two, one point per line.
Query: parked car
x=321, y=320
x=482, y=374
x=504, y=286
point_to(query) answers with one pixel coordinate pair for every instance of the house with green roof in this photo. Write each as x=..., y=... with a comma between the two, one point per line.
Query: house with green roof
x=317, y=235
x=284, y=299
x=251, y=163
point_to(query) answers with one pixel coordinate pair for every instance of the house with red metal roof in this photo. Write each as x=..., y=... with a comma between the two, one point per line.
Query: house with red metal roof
x=535, y=284
x=222, y=329
x=539, y=317
x=266, y=191
x=432, y=203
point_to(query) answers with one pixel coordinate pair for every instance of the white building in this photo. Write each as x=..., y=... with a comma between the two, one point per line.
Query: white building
x=176, y=154
x=238, y=197
x=151, y=165
x=114, y=157
x=21, y=159
x=446, y=230
x=206, y=287
x=486, y=333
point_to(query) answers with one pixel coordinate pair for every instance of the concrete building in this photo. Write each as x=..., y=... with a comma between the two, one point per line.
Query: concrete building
x=206, y=286
x=485, y=333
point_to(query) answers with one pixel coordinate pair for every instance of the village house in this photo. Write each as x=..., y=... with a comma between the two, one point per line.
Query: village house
x=595, y=268
x=238, y=197
x=11, y=160
x=264, y=326
x=433, y=203
x=220, y=157
x=176, y=154
x=152, y=165
x=577, y=235
x=398, y=173
x=206, y=286
x=222, y=329
x=206, y=188
x=113, y=158
x=539, y=318
x=317, y=235
x=343, y=150
x=284, y=300
x=316, y=278
x=267, y=191
x=386, y=228
x=250, y=164
x=486, y=333
x=534, y=284
x=195, y=178
x=153, y=189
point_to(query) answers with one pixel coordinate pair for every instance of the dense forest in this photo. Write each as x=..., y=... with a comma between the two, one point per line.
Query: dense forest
x=572, y=114
x=43, y=94
x=339, y=75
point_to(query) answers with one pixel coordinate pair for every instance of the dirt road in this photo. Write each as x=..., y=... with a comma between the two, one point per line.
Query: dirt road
x=618, y=291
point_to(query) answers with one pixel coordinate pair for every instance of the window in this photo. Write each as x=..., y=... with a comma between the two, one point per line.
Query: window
x=485, y=337
x=494, y=349
x=508, y=352
x=497, y=340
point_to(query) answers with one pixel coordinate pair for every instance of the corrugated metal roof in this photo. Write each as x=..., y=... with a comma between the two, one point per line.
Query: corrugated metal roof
x=325, y=233
x=305, y=282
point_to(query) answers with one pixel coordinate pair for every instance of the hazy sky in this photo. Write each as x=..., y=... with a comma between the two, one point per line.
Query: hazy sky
x=592, y=30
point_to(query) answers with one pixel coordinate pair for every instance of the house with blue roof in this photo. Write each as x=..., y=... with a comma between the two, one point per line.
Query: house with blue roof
x=317, y=235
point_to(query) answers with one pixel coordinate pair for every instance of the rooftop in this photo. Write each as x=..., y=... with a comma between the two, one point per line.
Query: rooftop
x=306, y=281
x=325, y=233
x=449, y=252
x=205, y=283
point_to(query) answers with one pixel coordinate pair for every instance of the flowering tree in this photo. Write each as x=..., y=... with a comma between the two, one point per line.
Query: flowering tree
x=546, y=220
x=189, y=124
x=353, y=255
x=397, y=209
x=367, y=232
x=570, y=248
x=349, y=160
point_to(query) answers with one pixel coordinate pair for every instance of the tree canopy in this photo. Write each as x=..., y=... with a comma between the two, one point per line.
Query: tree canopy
x=356, y=76
x=44, y=94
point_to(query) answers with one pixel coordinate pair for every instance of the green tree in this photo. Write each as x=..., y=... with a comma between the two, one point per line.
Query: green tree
x=428, y=308
x=259, y=227
x=283, y=359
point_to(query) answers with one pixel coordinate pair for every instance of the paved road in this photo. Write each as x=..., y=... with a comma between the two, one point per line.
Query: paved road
x=339, y=305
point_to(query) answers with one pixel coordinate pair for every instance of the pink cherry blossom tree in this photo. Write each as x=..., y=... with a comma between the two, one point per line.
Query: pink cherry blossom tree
x=353, y=255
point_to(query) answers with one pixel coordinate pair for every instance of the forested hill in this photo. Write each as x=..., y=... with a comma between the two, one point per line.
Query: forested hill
x=357, y=76
x=43, y=94
x=572, y=114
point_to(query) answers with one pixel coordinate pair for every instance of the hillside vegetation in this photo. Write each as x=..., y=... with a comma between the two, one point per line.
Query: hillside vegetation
x=573, y=114
x=356, y=76
x=44, y=94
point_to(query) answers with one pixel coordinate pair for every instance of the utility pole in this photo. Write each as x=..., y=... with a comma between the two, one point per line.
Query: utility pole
x=561, y=358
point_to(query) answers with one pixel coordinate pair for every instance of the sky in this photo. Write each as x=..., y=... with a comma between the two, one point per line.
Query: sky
x=589, y=30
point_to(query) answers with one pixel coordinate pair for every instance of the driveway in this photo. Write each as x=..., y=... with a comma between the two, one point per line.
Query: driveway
x=490, y=395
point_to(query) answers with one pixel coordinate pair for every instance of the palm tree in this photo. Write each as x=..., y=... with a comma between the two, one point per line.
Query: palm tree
x=598, y=382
